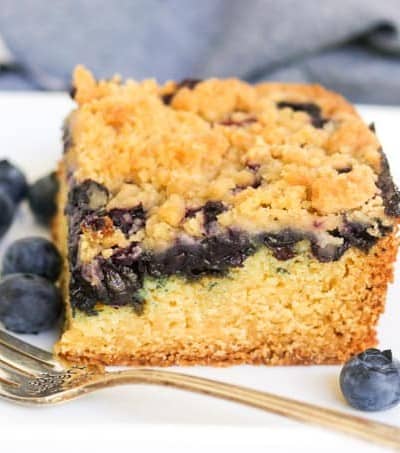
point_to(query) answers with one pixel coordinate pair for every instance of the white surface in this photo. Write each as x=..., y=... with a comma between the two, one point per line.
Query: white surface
x=30, y=136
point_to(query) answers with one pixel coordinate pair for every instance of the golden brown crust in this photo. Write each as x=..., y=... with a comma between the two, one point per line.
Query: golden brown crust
x=259, y=355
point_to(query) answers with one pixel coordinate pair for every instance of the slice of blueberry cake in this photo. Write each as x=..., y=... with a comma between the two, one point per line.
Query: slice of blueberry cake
x=215, y=222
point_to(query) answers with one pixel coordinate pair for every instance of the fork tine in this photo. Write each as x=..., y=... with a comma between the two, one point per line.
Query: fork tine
x=23, y=363
x=10, y=376
x=24, y=348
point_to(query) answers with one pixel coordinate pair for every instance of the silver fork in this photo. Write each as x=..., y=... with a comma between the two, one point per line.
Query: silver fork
x=29, y=375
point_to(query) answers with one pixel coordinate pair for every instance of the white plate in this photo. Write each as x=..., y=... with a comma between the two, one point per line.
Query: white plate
x=30, y=136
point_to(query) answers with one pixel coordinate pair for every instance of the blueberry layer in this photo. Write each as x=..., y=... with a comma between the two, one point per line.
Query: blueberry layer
x=117, y=280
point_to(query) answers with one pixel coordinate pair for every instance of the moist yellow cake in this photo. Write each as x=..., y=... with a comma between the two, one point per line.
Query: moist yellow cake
x=215, y=222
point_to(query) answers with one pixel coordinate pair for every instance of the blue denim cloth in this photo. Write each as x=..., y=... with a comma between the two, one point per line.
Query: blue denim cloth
x=351, y=46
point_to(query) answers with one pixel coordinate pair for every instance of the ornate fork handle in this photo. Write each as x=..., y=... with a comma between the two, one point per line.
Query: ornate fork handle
x=366, y=429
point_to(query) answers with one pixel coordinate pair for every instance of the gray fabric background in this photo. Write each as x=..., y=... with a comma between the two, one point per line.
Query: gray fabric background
x=352, y=46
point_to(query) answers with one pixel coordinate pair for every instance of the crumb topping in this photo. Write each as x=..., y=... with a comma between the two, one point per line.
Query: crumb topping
x=276, y=156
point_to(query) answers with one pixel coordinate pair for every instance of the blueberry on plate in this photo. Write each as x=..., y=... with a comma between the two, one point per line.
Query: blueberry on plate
x=7, y=209
x=370, y=381
x=42, y=198
x=33, y=255
x=12, y=181
x=28, y=303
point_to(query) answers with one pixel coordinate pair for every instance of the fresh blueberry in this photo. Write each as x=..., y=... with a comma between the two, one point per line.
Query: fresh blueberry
x=12, y=181
x=7, y=209
x=28, y=303
x=42, y=198
x=370, y=381
x=32, y=255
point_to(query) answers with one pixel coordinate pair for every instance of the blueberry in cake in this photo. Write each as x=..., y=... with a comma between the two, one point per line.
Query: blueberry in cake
x=215, y=222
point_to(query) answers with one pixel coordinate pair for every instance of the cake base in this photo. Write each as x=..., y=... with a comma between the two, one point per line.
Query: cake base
x=299, y=311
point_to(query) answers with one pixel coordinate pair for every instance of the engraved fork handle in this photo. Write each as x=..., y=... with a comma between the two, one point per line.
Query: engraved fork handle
x=366, y=429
